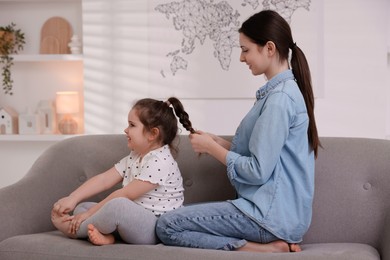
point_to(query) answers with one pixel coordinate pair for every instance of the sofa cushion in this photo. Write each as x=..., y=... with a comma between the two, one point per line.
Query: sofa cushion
x=54, y=246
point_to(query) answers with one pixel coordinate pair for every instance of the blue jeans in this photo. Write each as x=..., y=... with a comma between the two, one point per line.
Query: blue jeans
x=217, y=225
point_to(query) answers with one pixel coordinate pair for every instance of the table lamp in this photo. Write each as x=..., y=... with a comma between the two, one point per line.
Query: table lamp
x=67, y=104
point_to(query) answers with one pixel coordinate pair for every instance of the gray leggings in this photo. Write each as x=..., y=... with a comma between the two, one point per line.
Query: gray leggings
x=135, y=224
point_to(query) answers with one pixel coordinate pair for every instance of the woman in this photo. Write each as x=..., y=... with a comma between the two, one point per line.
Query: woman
x=270, y=161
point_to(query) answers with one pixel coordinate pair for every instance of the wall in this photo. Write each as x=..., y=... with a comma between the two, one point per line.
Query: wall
x=356, y=73
x=17, y=157
x=356, y=81
x=355, y=102
x=388, y=71
x=356, y=76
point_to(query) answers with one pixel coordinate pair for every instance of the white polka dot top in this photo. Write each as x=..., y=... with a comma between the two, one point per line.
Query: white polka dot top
x=158, y=167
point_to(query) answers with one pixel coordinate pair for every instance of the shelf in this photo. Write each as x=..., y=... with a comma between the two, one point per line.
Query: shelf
x=47, y=138
x=47, y=57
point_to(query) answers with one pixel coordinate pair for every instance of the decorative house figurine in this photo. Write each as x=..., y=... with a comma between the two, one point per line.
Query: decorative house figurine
x=30, y=123
x=8, y=121
x=46, y=109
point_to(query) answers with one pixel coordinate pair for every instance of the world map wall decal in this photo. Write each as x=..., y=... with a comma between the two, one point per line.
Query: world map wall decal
x=199, y=21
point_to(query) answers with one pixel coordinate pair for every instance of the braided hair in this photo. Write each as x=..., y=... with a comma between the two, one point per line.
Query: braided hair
x=162, y=115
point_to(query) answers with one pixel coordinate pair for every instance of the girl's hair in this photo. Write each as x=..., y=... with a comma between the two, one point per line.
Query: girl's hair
x=154, y=113
x=268, y=25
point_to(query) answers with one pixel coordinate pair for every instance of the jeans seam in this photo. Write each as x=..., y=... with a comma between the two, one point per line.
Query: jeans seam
x=229, y=246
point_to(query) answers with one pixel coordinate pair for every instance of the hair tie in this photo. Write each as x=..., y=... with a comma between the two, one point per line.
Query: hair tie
x=292, y=46
x=168, y=103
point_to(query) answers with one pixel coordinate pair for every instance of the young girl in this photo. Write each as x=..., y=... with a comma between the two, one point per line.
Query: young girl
x=151, y=182
x=270, y=161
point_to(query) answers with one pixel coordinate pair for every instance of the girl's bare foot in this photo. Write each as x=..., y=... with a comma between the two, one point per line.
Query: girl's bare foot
x=278, y=246
x=98, y=238
x=62, y=224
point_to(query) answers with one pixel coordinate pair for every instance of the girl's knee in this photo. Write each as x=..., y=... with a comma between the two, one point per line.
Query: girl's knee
x=83, y=207
x=116, y=203
x=119, y=200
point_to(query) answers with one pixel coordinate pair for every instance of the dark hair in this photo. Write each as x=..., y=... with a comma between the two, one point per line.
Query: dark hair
x=154, y=113
x=268, y=25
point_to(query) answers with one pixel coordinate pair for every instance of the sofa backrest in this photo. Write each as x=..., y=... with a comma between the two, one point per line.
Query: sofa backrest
x=203, y=176
x=352, y=191
x=66, y=165
x=352, y=188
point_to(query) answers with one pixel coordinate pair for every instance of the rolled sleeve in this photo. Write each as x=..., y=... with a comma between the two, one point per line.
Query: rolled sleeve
x=230, y=161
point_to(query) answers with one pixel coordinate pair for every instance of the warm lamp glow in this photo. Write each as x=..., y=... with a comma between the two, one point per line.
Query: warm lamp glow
x=67, y=103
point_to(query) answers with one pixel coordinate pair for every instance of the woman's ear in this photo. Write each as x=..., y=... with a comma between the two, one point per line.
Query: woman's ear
x=271, y=48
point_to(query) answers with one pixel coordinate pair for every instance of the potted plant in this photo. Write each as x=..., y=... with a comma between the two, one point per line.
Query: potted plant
x=11, y=42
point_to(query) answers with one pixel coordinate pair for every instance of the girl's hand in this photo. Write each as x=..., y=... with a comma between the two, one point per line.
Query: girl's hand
x=64, y=205
x=201, y=141
x=76, y=220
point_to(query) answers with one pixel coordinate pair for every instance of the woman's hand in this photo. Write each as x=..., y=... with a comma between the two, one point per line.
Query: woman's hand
x=201, y=141
x=211, y=144
x=64, y=205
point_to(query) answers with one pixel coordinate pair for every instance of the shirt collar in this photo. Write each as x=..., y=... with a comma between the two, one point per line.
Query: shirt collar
x=272, y=83
x=161, y=150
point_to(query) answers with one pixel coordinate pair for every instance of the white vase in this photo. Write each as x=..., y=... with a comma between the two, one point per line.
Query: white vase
x=75, y=45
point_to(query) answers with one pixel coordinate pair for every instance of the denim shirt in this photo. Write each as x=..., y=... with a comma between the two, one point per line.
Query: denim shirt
x=271, y=164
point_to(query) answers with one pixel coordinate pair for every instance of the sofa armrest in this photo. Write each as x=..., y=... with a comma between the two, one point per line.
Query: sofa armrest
x=24, y=208
x=26, y=205
x=385, y=240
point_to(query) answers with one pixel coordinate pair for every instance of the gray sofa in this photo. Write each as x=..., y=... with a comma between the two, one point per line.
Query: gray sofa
x=351, y=217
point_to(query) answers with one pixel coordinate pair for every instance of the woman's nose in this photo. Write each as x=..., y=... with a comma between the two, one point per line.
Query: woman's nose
x=242, y=59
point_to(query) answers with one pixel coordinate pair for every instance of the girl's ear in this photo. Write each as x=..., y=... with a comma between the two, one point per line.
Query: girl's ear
x=154, y=133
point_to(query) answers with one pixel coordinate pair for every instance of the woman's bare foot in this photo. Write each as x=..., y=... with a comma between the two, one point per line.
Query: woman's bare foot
x=294, y=248
x=278, y=246
x=98, y=238
x=62, y=224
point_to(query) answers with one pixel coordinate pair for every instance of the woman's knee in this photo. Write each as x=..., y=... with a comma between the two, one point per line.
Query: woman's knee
x=161, y=228
x=165, y=227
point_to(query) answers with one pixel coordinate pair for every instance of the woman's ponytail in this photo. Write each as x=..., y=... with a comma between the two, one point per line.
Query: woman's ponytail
x=301, y=71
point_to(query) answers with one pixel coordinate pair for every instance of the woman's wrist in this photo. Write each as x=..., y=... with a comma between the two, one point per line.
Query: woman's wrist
x=217, y=151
